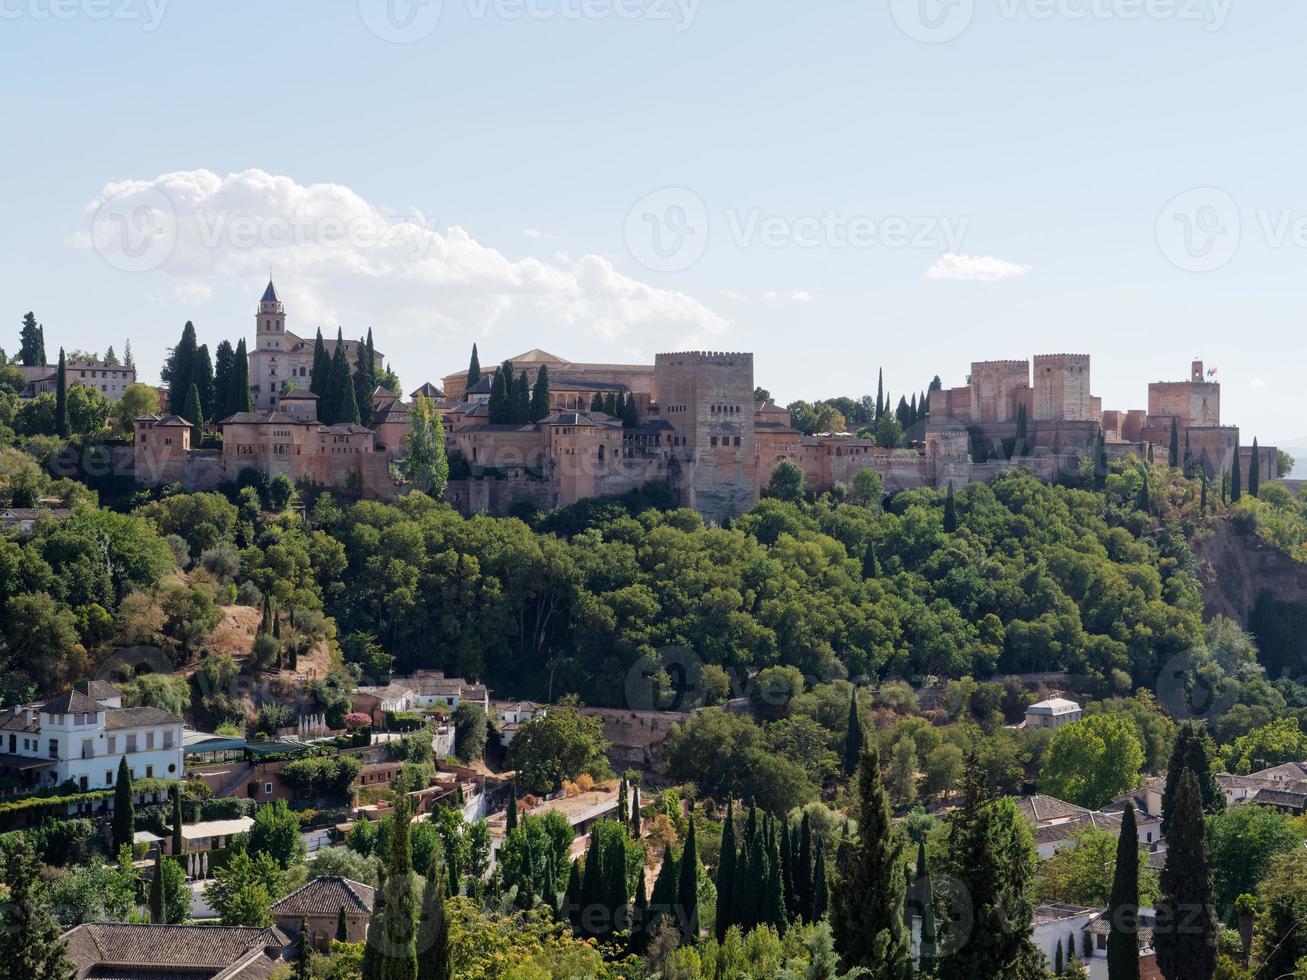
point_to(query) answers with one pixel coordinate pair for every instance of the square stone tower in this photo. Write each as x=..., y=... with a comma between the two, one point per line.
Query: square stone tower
x=1062, y=388
x=998, y=388
x=707, y=397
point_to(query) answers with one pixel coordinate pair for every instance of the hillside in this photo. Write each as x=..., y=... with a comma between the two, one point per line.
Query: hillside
x=1236, y=567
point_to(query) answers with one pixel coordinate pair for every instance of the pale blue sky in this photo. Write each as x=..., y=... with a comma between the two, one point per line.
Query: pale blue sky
x=1054, y=142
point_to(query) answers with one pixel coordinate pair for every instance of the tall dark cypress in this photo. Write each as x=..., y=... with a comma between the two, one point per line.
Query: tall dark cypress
x=787, y=873
x=520, y=404
x=510, y=812
x=239, y=399
x=61, y=398
x=124, y=813
x=950, y=511
x=342, y=926
x=880, y=393
x=925, y=895
x=177, y=369
x=572, y=899
x=1193, y=750
x=623, y=804
x=1255, y=471
x=591, y=888
x=399, y=961
x=320, y=373
x=1236, y=479
x=497, y=408
x=1123, y=906
x=433, y=930
x=687, y=890
x=803, y=872
x=870, y=566
x=224, y=363
x=1173, y=451
x=640, y=918
x=203, y=379
x=867, y=917
x=473, y=369
x=725, y=874
x=662, y=901
x=540, y=400
x=177, y=839
x=774, y=891
x=635, y=812
x=194, y=414
x=1185, y=932
x=31, y=351
x=340, y=395
x=853, y=739
x=157, y=916
x=821, y=887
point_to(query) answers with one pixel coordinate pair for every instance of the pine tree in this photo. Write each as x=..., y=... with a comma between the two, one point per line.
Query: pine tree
x=31, y=352
x=399, y=958
x=433, y=931
x=61, y=399
x=203, y=379
x=320, y=373
x=194, y=414
x=510, y=813
x=725, y=874
x=1254, y=471
x=950, y=511
x=540, y=395
x=1173, y=452
x=178, y=842
x=867, y=917
x=1185, y=933
x=853, y=739
x=302, y=952
x=870, y=566
x=124, y=812
x=30, y=943
x=473, y=369
x=176, y=373
x=342, y=926
x=129, y=362
x=687, y=892
x=1123, y=906
x=239, y=398
x=156, y=890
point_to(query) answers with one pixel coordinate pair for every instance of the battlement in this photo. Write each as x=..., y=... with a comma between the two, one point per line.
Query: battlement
x=1001, y=364
x=1069, y=358
x=693, y=358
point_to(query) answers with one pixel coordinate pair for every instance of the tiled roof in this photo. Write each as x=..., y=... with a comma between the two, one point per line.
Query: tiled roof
x=116, y=718
x=1052, y=833
x=159, y=947
x=172, y=421
x=98, y=690
x=428, y=390
x=1283, y=798
x=74, y=702
x=17, y=720
x=325, y=896
x=1047, y=912
x=297, y=394
x=1040, y=809
x=270, y=294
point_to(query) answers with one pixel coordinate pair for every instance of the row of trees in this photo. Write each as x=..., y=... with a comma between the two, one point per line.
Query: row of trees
x=201, y=392
x=514, y=400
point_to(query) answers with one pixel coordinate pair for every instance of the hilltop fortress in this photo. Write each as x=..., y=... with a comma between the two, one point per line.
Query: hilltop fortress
x=690, y=420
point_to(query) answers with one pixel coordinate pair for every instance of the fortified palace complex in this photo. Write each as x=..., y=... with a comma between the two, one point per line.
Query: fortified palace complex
x=697, y=427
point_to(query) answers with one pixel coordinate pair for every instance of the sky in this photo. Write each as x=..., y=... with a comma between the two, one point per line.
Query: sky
x=837, y=186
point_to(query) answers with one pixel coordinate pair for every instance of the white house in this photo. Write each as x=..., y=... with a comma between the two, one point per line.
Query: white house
x=1056, y=923
x=513, y=714
x=1053, y=713
x=79, y=738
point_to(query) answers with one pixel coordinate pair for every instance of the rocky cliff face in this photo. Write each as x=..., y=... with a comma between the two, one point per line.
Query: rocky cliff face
x=1236, y=568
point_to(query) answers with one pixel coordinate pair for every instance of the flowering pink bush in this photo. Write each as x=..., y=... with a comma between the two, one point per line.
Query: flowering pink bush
x=356, y=720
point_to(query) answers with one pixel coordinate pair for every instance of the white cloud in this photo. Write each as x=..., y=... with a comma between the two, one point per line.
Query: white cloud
x=333, y=252
x=1259, y=384
x=799, y=296
x=536, y=235
x=974, y=268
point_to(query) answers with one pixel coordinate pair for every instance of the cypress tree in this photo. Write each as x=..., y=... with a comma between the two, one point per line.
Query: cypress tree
x=639, y=919
x=926, y=894
x=342, y=926
x=1202, y=500
x=787, y=873
x=615, y=894
x=1193, y=750
x=124, y=813
x=803, y=877
x=1173, y=452
x=31, y=348
x=521, y=401
x=950, y=511
x=853, y=739
x=371, y=966
x=399, y=958
x=630, y=416
x=498, y=404
x=725, y=874
x=597, y=403
x=156, y=890
x=1255, y=471
x=202, y=378
x=1236, y=479
x=821, y=888
x=572, y=899
x=30, y=943
x=510, y=814
x=302, y=950
x=433, y=932
x=687, y=892
x=194, y=414
x=177, y=841
x=540, y=395
x=1022, y=431
x=1123, y=906
x=880, y=393
x=867, y=918
x=1059, y=968
x=224, y=363
x=1100, y=462
x=177, y=370
x=61, y=398
x=320, y=372
x=473, y=368
x=662, y=902
x=870, y=566
x=635, y=812
x=610, y=405
x=1185, y=933
x=1188, y=467
x=347, y=410
x=591, y=887
x=623, y=804
x=239, y=398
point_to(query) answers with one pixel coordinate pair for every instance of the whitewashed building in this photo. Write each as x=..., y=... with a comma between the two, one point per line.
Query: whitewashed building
x=1053, y=713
